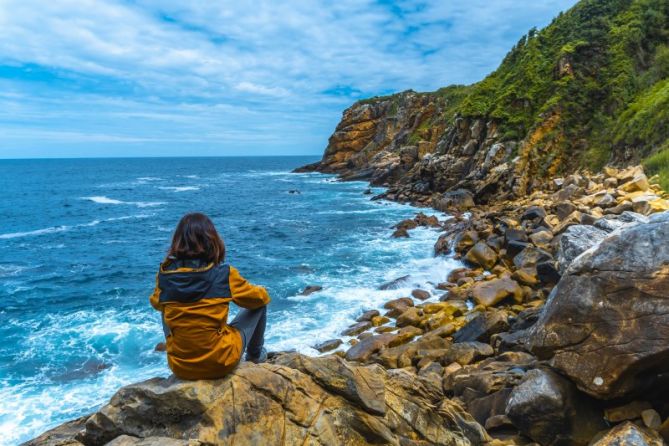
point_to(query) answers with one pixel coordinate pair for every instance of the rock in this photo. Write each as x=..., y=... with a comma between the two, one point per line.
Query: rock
x=405, y=335
x=482, y=326
x=459, y=200
x=328, y=345
x=363, y=350
x=575, y=241
x=465, y=240
x=464, y=353
x=483, y=255
x=160, y=347
x=367, y=315
x=629, y=434
x=356, y=329
x=379, y=320
x=420, y=294
x=638, y=183
x=564, y=209
x=400, y=233
x=429, y=221
x=311, y=289
x=542, y=239
x=394, y=284
x=548, y=409
x=629, y=411
x=651, y=419
x=533, y=213
x=491, y=292
x=547, y=273
x=398, y=306
x=606, y=322
x=411, y=316
x=296, y=400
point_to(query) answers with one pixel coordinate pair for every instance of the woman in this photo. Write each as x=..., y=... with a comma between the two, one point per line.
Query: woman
x=193, y=290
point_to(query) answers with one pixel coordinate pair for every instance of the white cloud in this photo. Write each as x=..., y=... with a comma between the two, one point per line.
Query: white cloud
x=264, y=60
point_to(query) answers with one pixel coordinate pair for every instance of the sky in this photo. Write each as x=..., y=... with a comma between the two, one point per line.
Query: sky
x=90, y=78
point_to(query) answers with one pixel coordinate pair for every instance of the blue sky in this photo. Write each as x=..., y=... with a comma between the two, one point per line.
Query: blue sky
x=164, y=78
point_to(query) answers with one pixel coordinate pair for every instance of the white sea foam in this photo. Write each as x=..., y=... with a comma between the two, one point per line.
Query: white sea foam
x=149, y=179
x=179, y=188
x=63, y=228
x=106, y=200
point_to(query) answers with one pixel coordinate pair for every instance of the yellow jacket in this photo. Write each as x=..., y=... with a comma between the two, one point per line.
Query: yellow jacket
x=193, y=298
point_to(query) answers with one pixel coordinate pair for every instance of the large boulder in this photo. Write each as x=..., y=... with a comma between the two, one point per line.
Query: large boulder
x=606, y=323
x=548, y=409
x=295, y=400
x=575, y=241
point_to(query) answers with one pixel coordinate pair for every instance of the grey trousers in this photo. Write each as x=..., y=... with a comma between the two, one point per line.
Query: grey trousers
x=251, y=324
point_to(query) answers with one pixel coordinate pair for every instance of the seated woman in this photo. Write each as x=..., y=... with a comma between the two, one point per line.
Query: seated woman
x=193, y=290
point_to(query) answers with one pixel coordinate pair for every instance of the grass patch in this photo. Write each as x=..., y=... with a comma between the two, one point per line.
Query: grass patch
x=658, y=164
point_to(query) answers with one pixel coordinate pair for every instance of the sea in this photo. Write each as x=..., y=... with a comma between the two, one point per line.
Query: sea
x=81, y=241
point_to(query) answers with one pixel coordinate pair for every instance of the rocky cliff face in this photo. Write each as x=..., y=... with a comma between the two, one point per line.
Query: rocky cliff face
x=590, y=89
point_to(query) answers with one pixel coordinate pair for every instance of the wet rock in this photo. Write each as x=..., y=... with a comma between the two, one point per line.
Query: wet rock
x=400, y=233
x=367, y=315
x=311, y=289
x=429, y=221
x=483, y=255
x=356, y=329
x=575, y=241
x=396, y=307
x=465, y=240
x=548, y=409
x=629, y=434
x=420, y=294
x=328, y=345
x=160, y=347
x=482, y=326
x=491, y=292
x=393, y=284
x=606, y=323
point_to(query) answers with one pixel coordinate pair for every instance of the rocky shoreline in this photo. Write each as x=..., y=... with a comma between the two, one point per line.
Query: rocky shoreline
x=556, y=333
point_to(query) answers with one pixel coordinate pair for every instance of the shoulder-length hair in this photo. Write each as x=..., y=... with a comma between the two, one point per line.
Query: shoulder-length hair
x=196, y=238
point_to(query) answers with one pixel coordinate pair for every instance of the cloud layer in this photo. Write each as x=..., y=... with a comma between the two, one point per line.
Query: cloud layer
x=149, y=77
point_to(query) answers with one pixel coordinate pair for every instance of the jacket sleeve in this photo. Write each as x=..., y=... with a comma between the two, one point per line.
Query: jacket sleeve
x=155, y=297
x=246, y=295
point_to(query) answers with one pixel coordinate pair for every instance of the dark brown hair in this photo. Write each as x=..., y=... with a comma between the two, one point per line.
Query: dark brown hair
x=196, y=238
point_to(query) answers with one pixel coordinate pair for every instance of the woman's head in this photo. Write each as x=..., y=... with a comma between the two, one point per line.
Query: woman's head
x=196, y=238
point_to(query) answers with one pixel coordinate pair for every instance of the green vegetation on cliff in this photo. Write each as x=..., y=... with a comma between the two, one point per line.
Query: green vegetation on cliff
x=600, y=71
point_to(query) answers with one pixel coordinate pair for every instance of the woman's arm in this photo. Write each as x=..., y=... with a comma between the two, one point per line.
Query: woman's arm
x=244, y=294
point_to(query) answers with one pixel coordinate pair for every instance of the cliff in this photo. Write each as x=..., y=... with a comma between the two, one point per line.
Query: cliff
x=590, y=89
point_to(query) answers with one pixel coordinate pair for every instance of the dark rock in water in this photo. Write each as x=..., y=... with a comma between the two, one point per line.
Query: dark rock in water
x=311, y=289
x=308, y=168
x=420, y=294
x=400, y=233
x=393, y=284
x=160, y=347
x=328, y=345
x=575, y=241
x=368, y=192
x=295, y=397
x=294, y=191
x=606, y=323
x=629, y=434
x=547, y=408
x=459, y=200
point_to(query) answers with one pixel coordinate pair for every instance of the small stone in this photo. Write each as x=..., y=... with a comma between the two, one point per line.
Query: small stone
x=400, y=233
x=412, y=316
x=367, y=315
x=494, y=291
x=630, y=411
x=420, y=294
x=483, y=255
x=160, y=347
x=651, y=419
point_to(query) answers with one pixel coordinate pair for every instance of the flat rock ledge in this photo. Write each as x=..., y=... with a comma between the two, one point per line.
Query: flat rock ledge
x=295, y=400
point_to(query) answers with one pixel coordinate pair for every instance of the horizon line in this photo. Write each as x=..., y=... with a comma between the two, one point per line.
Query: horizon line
x=152, y=157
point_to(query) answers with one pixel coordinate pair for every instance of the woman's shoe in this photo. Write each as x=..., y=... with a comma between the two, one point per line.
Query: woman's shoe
x=259, y=359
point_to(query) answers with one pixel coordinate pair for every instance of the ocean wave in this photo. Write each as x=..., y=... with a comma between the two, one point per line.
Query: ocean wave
x=179, y=188
x=63, y=228
x=101, y=199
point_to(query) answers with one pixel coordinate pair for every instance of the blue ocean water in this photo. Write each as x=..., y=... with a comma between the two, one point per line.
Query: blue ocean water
x=80, y=242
